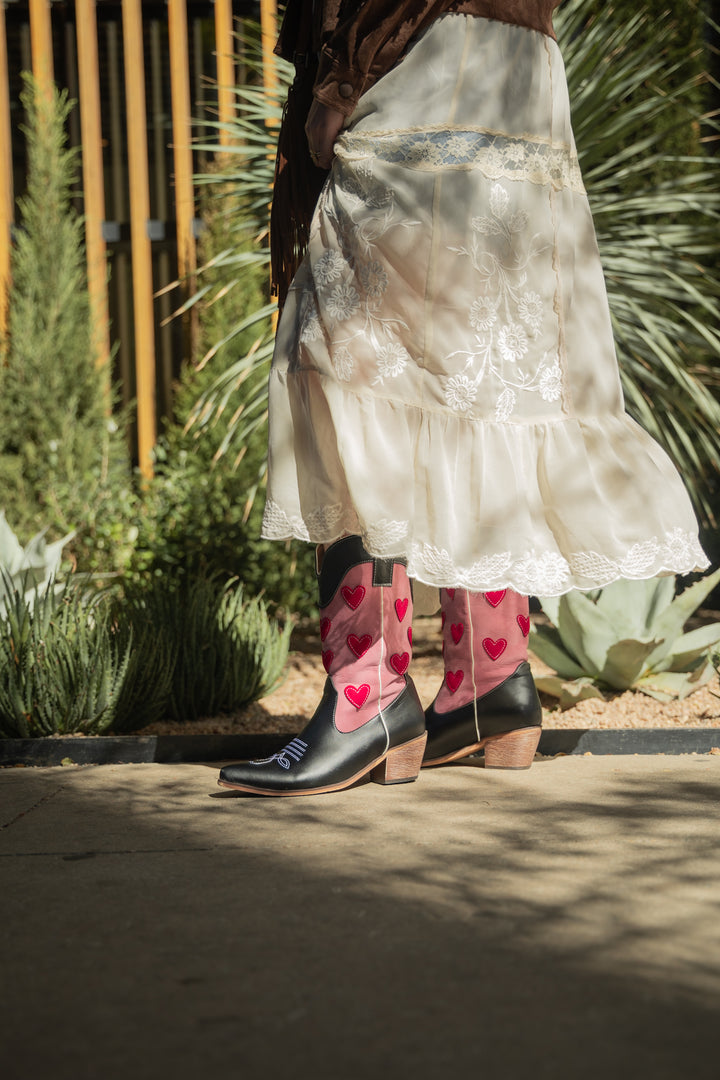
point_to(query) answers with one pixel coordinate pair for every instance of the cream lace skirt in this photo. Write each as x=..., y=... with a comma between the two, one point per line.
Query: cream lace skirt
x=445, y=382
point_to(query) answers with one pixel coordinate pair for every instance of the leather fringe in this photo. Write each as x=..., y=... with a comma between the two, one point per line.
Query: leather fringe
x=298, y=183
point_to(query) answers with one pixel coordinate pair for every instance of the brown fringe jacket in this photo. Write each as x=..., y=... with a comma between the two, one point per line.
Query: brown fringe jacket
x=340, y=48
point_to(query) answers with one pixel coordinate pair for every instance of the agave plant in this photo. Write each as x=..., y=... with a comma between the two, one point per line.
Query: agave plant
x=629, y=635
x=658, y=238
x=30, y=570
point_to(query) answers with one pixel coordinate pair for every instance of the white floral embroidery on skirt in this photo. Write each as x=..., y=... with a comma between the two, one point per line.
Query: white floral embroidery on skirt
x=445, y=382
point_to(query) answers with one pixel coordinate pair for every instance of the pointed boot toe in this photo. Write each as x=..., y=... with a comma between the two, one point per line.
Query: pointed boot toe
x=388, y=748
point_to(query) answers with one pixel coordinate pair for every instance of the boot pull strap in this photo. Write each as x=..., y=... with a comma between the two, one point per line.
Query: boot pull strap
x=344, y=554
x=383, y=571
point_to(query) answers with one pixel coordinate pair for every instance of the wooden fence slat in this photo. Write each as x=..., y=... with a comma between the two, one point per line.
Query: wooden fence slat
x=225, y=54
x=93, y=177
x=268, y=36
x=139, y=217
x=6, y=176
x=41, y=44
x=183, y=160
x=182, y=135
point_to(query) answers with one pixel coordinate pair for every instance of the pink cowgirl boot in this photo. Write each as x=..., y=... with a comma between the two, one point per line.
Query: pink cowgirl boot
x=370, y=719
x=488, y=697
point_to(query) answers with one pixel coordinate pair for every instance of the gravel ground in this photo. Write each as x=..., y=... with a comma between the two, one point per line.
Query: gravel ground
x=289, y=707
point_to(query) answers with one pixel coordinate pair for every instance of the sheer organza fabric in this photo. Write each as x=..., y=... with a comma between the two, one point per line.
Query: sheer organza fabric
x=445, y=382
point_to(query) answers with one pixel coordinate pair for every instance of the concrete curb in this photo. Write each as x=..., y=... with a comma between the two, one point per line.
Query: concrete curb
x=168, y=749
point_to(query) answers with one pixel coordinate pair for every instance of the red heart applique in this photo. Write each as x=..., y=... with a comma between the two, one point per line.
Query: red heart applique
x=457, y=630
x=357, y=695
x=524, y=623
x=353, y=597
x=401, y=607
x=399, y=662
x=359, y=645
x=325, y=625
x=494, y=649
x=451, y=593
x=410, y=636
x=453, y=680
x=495, y=598
x=327, y=658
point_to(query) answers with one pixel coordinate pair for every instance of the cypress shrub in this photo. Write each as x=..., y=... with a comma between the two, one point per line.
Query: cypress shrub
x=63, y=463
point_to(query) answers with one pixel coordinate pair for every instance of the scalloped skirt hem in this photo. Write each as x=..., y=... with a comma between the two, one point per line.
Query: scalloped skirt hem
x=534, y=573
x=538, y=508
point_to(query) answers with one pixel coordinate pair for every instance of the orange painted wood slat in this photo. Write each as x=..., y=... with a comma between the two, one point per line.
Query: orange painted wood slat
x=140, y=241
x=182, y=135
x=225, y=53
x=41, y=43
x=6, y=176
x=268, y=32
x=93, y=177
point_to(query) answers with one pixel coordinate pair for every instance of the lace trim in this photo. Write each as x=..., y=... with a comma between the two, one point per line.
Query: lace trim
x=496, y=155
x=536, y=573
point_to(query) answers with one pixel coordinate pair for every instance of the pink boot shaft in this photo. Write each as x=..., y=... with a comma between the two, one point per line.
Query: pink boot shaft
x=484, y=640
x=366, y=643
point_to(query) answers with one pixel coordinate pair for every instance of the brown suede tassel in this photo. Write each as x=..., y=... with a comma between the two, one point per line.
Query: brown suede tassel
x=298, y=183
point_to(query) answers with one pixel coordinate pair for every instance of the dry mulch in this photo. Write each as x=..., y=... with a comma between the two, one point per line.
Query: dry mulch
x=288, y=708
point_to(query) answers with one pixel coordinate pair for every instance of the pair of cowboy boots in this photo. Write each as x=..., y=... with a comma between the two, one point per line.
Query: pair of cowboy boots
x=370, y=720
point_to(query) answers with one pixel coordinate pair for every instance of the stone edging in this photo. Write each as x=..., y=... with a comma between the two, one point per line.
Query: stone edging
x=128, y=749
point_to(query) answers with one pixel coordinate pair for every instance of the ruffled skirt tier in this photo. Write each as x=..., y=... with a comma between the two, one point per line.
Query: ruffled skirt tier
x=445, y=382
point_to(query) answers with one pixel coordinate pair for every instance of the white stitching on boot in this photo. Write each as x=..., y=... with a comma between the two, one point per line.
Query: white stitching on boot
x=295, y=749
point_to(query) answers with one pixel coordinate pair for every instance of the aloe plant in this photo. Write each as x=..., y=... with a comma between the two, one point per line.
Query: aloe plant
x=224, y=651
x=61, y=664
x=629, y=635
x=30, y=570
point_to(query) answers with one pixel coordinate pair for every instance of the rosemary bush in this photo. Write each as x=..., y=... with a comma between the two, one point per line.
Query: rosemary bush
x=63, y=461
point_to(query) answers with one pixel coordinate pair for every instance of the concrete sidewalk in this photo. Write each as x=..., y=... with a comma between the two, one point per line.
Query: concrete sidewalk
x=561, y=922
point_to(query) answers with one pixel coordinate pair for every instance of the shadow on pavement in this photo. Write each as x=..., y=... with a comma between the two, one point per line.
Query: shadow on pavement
x=559, y=923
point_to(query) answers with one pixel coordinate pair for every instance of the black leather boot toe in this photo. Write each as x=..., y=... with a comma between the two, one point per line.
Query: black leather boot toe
x=506, y=721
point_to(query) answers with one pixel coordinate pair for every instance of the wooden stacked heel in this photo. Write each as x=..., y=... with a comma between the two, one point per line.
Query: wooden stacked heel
x=513, y=750
x=402, y=763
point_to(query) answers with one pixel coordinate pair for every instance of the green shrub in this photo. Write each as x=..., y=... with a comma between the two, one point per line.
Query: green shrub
x=227, y=652
x=200, y=515
x=61, y=664
x=63, y=459
x=146, y=691
x=78, y=660
x=628, y=635
x=684, y=56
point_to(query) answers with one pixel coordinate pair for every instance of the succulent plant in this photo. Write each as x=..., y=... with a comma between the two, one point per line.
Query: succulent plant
x=62, y=666
x=629, y=635
x=29, y=569
x=220, y=649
